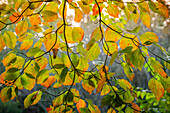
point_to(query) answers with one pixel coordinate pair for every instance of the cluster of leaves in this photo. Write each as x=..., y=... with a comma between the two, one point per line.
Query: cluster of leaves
x=25, y=70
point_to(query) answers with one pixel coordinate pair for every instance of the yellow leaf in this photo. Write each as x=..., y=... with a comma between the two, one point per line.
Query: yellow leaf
x=10, y=39
x=113, y=10
x=78, y=15
x=148, y=38
x=2, y=45
x=26, y=44
x=145, y=17
x=77, y=34
x=125, y=84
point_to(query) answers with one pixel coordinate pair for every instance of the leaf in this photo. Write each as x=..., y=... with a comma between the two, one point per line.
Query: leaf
x=128, y=71
x=12, y=74
x=145, y=17
x=52, y=6
x=94, y=52
x=21, y=27
x=113, y=33
x=112, y=47
x=85, y=8
x=106, y=100
x=61, y=10
x=111, y=110
x=28, y=81
x=167, y=64
x=10, y=39
x=84, y=110
x=166, y=83
x=78, y=15
x=33, y=51
x=36, y=28
x=26, y=44
x=35, y=20
x=114, y=55
x=159, y=8
x=135, y=16
x=156, y=88
x=15, y=17
x=88, y=87
x=49, y=82
x=144, y=6
x=96, y=10
x=105, y=90
x=137, y=59
x=77, y=34
x=19, y=3
x=7, y=94
x=135, y=30
x=136, y=107
x=127, y=97
x=125, y=84
x=63, y=75
x=32, y=98
x=80, y=104
x=127, y=13
x=42, y=76
x=96, y=34
x=49, y=16
x=126, y=42
x=113, y=10
x=2, y=45
x=100, y=85
x=148, y=38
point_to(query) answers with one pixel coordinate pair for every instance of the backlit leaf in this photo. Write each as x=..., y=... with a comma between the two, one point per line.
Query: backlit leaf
x=78, y=15
x=2, y=45
x=26, y=44
x=135, y=30
x=114, y=55
x=125, y=42
x=156, y=88
x=21, y=27
x=136, y=107
x=110, y=47
x=49, y=82
x=33, y=51
x=49, y=16
x=52, y=6
x=113, y=10
x=7, y=94
x=125, y=84
x=61, y=10
x=12, y=74
x=105, y=90
x=94, y=52
x=15, y=17
x=100, y=85
x=19, y=3
x=42, y=76
x=77, y=34
x=145, y=17
x=32, y=98
x=96, y=10
x=36, y=28
x=96, y=34
x=111, y=110
x=148, y=38
x=80, y=104
x=10, y=39
x=28, y=81
x=135, y=16
x=85, y=8
x=144, y=6
x=111, y=35
x=63, y=75
x=35, y=19
x=87, y=87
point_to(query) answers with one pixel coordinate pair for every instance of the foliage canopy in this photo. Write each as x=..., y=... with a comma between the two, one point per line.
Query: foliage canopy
x=28, y=66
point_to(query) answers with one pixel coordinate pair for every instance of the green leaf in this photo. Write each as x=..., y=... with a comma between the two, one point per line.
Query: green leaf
x=94, y=52
x=49, y=16
x=33, y=51
x=63, y=75
x=12, y=74
x=106, y=100
x=59, y=66
x=42, y=76
x=10, y=39
x=6, y=94
x=127, y=96
x=85, y=110
x=75, y=59
x=128, y=49
x=135, y=30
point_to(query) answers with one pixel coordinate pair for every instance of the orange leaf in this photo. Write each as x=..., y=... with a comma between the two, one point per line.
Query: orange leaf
x=125, y=42
x=136, y=108
x=162, y=9
x=113, y=10
x=49, y=82
x=35, y=19
x=145, y=17
x=111, y=110
x=26, y=44
x=42, y=62
x=96, y=10
x=77, y=34
x=100, y=85
x=15, y=17
x=52, y=6
x=144, y=6
x=148, y=38
x=36, y=28
x=88, y=87
x=80, y=104
x=78, y=15
x=156, y=88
